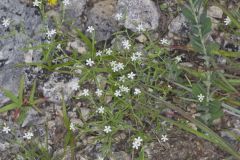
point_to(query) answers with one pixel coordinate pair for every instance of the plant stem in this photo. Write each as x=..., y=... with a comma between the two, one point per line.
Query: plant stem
x=206, y=58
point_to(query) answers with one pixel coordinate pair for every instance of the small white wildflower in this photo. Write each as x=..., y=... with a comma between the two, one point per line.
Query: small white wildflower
x=99, y=92
x=124, y=89
x=137, y=143
x=140, y=28
x=122, y=78
x=50, y=33
x=126, y=44
x=72, y=126
x=90, y=29
x=66, y=2
x=36, y=3
x=178, y=59
x=100, y=110
x=120, y=66
x=109, y=51
x=116, y=66
x=90, y=62
x=59, y=47
x=6, y=22
x=99, y=53
x=107, y=129
x=118, y=16
x=137, y=91
x=113, y=63
x=6, y=129
x=28, y=135
x=118, y=93
x=136, y=56
x=164, y=138
x=131, y=75
x=227, y=21
x=133, y=58
x=85, y=92
x=100, y=158
x=201, y=97
x=169, y=86
x=164, y=41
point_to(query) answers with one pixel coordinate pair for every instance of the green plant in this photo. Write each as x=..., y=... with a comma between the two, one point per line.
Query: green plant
x=20, y=103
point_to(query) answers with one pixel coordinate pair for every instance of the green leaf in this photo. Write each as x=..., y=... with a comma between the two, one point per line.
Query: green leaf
x=10, y=95
x=9, y=107
x=206, y=25
x=187, y=12
x=226, y=53
x=31, y=98
x=21, y=89
x=86, y=40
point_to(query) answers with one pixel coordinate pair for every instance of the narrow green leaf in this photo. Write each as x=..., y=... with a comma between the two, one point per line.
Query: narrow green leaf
x=31, y=98
x=21, y=89
x=9, y=107
x=10, y=95
x=86, y=40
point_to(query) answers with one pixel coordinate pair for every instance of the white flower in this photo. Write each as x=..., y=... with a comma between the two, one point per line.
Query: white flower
x=36, y=3
x=59, y=47
x=131, y=75
x=164, y=138
x=120, y=66
x=99, y=53
x=100, y=158
x=66, y=2
x=113, y=63
x=124, y=89
x=140, y=28
x=116, y=66
x=6, y=129
x=227, y=21
x=28, y=135
x=85, y=92
x=136, y=56
x=109, y=51
x=72, y=126
x=164, y=41
x=126, y=44
x=178, y=59
x=137, y=143
x=169, y=86
x=122, y=78
x=89, y=62
x=137, y=91
x=6, y=22
x=201, y=97
x=90, y=29
x=50, y=33
x=117, y=93
x=118, y=16
x=99, y=92
x=107, y=129
x=100, y=109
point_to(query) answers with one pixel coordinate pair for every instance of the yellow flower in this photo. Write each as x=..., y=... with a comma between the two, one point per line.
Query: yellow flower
x=52, y=2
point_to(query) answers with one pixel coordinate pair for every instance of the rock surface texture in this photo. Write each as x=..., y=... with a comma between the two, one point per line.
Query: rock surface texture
x=137, y=12
x=24, y=24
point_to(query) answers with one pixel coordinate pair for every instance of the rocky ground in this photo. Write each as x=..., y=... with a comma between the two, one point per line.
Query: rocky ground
x=25, y=31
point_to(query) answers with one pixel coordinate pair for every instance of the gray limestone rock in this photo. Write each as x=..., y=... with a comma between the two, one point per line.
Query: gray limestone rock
x=138, y=12
x=101, y=17
x=24, y=22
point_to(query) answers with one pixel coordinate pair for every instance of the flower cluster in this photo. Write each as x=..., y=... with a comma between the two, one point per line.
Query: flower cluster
x=116, y=66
